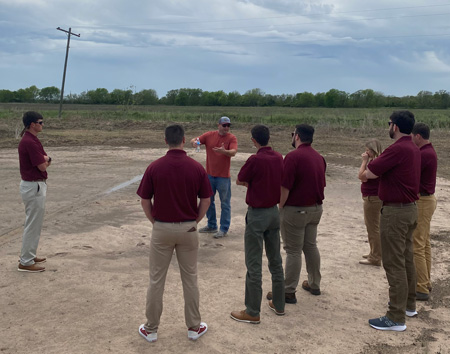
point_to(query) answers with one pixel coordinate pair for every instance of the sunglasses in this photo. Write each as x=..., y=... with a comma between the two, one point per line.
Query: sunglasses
x=226, y=125
x=390, y=122
x=292, y=134
x=40, y=122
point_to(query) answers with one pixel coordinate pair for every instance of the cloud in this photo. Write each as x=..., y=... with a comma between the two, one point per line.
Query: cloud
x=427, y=62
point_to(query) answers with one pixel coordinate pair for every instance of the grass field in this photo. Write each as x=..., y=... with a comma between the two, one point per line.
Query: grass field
x=340, y=133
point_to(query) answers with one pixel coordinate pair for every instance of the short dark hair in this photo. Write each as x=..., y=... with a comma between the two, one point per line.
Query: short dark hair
x=305, y=133
x=174, y=135
x=422, y=129
x=404, y=120
x=30, y=117
x=261, y=134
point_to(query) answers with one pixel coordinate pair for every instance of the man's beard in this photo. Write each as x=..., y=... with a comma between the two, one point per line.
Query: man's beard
x=293, y=143
x=391, y=133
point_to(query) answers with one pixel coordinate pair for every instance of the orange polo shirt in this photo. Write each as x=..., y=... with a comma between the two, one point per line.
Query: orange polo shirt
x=217, y=164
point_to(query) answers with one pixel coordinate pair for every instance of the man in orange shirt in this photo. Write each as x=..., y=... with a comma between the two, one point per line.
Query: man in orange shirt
x=221, y=146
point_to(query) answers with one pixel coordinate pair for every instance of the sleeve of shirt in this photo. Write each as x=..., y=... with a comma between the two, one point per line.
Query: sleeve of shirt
x=35, y=154
x=145, y=190
x=383, y=163
x=245, y=174
x=288, y=173
x=233, y=143
x=204, y=138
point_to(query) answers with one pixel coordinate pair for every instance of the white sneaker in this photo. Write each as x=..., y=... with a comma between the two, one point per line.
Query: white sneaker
x=219, y=234
x=196, y=334
x=411, y=313
x=149, y=336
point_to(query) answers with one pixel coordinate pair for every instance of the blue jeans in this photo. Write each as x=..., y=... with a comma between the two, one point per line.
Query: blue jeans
x=223, y=186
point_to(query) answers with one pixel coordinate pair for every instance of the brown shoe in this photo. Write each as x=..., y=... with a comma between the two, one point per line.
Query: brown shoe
x=32, y=268
x=289, y=298
x=306, y=287
x=272, y=307
x=367, y=262
x=243, y=316
x=39, y=260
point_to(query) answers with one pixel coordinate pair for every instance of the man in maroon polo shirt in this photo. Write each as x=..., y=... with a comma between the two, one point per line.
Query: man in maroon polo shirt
x=262, y=174
x=34, y=162
x=398, y=168
x=426, y=205
x=169, y=191
x=302, y=193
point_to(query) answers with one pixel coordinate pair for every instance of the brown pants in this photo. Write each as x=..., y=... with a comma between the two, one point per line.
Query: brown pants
x=299, y=234
x=396, y=229
x=372, y=208
x=167, y=237
x=426, y=206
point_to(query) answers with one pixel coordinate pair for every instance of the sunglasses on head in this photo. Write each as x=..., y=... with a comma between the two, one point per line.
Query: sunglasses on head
x=226, y=125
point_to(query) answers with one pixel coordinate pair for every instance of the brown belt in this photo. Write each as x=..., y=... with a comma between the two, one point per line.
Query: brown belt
x=425, y=194
x=398, y=205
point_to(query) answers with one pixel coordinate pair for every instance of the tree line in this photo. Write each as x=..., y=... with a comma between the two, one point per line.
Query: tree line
x=252, y=98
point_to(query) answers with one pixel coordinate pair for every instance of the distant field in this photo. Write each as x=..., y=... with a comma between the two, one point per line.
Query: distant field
x=364, y=118
x=340, y=133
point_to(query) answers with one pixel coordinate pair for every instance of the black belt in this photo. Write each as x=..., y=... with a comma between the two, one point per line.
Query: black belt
x=398, y=205
x=38, y=180
x=425, y=194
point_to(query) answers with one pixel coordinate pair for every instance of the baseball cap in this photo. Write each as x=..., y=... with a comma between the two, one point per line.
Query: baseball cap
x=224, y=120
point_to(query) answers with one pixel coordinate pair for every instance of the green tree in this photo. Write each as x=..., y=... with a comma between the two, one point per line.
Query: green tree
x=335, y=98
x=6, y=96
x=98, y=96
x=146, y=97
x=49, y=94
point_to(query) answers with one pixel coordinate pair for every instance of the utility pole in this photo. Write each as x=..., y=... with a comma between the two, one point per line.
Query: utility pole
x=69, y=33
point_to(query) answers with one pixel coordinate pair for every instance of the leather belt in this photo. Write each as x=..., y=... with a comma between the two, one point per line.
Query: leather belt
x=38, y=180
x=425, y=194
x=398, y=205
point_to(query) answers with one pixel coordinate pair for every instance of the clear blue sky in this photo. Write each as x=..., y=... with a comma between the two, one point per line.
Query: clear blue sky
x=280, y=46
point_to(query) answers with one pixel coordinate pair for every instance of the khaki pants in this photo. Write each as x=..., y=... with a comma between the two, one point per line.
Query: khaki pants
x=167, y=237
x=299, y=233
x=33, y=196
x=396, y=229
x=372, y=208
x=426, y=206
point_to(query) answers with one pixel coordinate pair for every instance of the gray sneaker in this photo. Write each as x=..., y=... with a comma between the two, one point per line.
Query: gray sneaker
x=207, y=229
x=219, y=234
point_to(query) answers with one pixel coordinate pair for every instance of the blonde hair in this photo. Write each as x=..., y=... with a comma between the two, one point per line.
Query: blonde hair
x=375, y=146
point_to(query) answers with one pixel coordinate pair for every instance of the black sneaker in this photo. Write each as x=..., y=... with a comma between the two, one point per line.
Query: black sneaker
x=385, y=324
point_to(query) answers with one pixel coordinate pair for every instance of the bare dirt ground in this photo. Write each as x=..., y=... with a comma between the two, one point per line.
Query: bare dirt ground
x=91, y=298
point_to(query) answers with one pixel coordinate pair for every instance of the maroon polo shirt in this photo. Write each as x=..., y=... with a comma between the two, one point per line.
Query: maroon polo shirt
x=304, y=176
x=263, y=173
x=398, y=168
x=175, y=181
x=370, y=188
x=428, y=169
x=31, y=155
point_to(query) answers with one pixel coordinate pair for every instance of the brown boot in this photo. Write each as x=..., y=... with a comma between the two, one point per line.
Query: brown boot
x=243, y=316
x=31, y=269
x=289, y=298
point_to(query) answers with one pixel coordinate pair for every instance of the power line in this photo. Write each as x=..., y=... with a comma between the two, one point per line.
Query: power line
x=263, y=18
